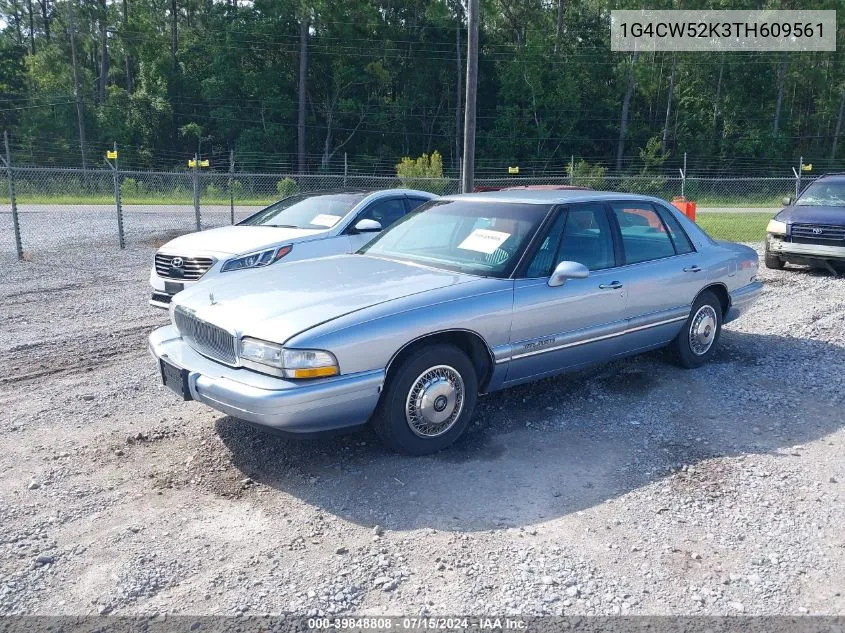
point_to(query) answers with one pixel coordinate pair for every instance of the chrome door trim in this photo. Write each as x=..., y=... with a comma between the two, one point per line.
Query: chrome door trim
x=553, y=339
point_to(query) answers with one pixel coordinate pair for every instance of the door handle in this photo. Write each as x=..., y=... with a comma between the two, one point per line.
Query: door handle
x=613, y=285
x=695, y=268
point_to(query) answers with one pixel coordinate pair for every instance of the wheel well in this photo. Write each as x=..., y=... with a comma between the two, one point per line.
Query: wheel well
x=722, y=294
x=468, y=342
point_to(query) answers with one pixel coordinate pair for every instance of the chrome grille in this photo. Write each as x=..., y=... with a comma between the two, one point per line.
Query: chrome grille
x=818, y=234
x=192, y=268
x=209, y=340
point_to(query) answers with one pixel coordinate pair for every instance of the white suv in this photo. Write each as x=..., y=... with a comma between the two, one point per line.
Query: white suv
x=302, y=226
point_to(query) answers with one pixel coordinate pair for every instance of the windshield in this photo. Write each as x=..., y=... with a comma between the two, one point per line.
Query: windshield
x=823, y=194
x=306, y=211
x=471, y=236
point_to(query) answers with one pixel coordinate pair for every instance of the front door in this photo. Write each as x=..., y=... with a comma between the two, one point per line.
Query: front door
x=563, y=327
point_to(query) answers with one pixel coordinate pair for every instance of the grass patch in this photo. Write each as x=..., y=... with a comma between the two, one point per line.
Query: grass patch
x=150, y=200
x=736, y=227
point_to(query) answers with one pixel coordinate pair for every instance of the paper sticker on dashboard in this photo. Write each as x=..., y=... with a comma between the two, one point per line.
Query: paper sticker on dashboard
x=484, y=241
x=325, y=220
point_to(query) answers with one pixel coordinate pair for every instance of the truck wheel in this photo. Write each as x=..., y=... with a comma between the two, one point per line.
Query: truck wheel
x=773, y=261
x=696, y=342
x=427, y=401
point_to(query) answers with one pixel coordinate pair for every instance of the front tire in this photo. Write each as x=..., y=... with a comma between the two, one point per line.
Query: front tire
x=428, y=400
x=696, y=342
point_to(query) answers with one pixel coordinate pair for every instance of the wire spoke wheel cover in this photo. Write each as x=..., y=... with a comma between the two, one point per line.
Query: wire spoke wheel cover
x=435, y=401
x=702, y=330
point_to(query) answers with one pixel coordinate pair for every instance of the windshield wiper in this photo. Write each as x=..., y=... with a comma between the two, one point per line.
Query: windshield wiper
x=283, y=226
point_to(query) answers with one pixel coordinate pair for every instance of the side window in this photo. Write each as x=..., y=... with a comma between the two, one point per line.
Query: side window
x=679, y=236
x=413, y=203
x=644, y=236
x=579, y=234
x=385, y=212
x=541, y=265
x=587, y=237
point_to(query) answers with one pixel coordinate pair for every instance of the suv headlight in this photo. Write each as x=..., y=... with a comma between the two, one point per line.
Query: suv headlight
x=291, y=363
x=777, y=227
x=257, y=259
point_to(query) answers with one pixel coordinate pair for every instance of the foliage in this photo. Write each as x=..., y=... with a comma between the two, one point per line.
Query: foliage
x=586, y=175
x=287, y=187
x=383, y=81
x=424, y=173
x=131, y=188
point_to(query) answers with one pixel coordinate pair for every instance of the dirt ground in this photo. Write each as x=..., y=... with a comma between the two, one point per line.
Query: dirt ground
x=634, y=488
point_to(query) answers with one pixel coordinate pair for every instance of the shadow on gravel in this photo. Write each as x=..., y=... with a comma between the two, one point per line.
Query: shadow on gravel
x=564, y=444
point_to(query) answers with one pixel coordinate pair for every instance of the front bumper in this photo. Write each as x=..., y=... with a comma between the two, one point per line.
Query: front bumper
x=161, y=295
x=797, y=252
x=293, y=406
x=741, y=300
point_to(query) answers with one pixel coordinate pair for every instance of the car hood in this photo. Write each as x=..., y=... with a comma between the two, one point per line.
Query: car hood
x=812, y=215
x=280, y=301
x=235, y=240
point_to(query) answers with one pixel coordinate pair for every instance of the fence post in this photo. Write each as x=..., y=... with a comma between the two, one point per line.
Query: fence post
x=7, y=163
x=232, y=186
x=117, y=202
x=798, y=177
x=571, y=168
x=197, y=190
x=345, y=169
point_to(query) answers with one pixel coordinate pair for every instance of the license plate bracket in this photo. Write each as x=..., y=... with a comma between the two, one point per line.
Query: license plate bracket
x=172, y=287
x=175, y=378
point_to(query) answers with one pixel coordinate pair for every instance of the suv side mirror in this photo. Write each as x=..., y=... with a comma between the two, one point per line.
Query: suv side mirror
x=568, y=270
x=787, y=200
x=368, y=226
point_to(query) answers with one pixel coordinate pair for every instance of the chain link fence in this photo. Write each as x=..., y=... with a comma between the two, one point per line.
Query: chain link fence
x=65, y=210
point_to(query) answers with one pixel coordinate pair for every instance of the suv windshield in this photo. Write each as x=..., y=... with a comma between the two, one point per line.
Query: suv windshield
x=306, y=211
x=470, y=236
x=823, y=194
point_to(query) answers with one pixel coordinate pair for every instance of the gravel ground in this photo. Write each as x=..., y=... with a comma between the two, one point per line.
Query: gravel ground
x=631, y=488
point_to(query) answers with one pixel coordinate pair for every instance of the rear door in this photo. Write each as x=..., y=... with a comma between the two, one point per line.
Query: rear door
x=557, y=328
x=662, y=271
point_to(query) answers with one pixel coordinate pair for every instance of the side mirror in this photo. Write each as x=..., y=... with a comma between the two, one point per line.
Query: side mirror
x=368, y=226
x=787, y=200
x=568, y=270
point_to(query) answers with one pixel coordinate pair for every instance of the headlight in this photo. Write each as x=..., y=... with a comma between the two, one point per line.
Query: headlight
x=257, y=259
x=777, y=227
x=291, y=363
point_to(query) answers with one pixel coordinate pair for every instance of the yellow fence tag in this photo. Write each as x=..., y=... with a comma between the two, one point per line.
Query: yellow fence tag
x=513, y=170
x=111, y=154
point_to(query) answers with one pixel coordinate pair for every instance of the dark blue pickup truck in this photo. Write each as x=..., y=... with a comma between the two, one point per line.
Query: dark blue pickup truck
x=810, y=230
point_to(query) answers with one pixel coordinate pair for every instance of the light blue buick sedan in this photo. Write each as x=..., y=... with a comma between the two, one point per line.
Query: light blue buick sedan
x=467, y=295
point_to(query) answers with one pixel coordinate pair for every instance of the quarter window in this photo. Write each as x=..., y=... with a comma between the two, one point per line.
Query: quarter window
x=676, y=231
x=644, y=236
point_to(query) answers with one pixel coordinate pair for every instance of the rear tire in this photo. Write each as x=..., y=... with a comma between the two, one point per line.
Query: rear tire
x=697, y=340
x=427, y=401
x=773, y=261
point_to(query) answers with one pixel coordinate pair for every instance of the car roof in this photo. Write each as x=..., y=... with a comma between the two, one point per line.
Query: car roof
x=547, y=196
x=543, y=187
x=365, y=192
x=835, y=177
